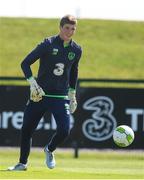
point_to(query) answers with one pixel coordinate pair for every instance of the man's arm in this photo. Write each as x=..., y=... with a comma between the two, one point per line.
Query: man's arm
x=31, y=58
x=36, y=92
x=74, y=72
x=73, y=84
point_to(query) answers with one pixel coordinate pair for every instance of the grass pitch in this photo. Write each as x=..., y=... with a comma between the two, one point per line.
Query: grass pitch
x=111, y=49
x=91, y=164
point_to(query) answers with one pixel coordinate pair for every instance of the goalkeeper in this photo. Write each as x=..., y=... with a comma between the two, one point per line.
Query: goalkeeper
x=54, y=90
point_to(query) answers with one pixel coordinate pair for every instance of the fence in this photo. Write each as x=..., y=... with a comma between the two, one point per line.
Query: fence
x=100, y=110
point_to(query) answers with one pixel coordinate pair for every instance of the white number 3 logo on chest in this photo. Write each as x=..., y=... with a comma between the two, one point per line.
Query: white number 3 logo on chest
x=59, y=70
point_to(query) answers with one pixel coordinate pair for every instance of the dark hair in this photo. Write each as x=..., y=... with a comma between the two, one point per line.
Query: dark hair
x=68, y=19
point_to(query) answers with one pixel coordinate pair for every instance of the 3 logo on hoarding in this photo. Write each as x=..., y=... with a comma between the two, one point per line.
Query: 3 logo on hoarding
x=102, y=123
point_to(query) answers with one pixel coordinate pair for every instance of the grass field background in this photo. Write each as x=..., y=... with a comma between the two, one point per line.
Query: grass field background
x=91, y=164
x=111, y=49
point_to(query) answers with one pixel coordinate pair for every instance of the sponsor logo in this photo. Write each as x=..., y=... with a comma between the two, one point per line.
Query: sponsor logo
x=15, y=120
x=136, y=117
x=55, y=51
x=100, y=125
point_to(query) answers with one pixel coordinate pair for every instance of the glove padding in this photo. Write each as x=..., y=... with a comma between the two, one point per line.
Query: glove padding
x=73, y=101
x=36, y=92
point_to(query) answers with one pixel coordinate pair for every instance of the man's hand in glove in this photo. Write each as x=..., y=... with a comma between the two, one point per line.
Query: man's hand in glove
x=72, y=98
x=36, y=92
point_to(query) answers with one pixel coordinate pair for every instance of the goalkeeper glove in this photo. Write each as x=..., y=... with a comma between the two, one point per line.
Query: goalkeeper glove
x=36, y=92
x=72, y=98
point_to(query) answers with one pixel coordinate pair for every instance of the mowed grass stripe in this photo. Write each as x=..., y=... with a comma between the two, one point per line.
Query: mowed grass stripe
x=89, y=165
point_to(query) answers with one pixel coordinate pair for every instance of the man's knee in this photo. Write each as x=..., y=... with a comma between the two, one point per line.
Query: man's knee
x=63, y=133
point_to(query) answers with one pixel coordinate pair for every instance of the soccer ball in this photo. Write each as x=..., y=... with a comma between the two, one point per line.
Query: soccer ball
x=123, y=136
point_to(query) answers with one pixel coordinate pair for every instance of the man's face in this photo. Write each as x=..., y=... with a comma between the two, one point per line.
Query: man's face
x=67, y=31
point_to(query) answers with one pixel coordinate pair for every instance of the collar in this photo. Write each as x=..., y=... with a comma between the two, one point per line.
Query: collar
x=61, y=41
